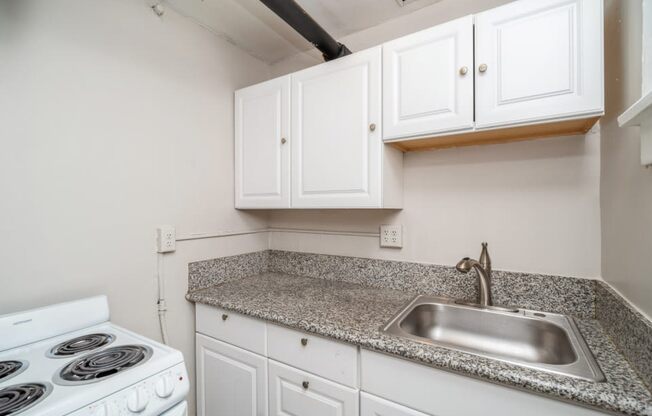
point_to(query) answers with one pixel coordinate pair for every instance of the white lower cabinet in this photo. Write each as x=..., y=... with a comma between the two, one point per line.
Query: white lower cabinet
x=326, y=358
x=295, y=392
x=375, y=406
x=324, y=377
x=441, y=393
x=230, y=380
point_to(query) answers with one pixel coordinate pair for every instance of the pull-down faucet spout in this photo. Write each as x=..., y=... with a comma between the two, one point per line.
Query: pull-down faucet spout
x=483, y=269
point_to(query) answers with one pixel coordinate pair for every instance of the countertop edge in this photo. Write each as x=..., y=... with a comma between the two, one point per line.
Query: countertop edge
x=526, y=386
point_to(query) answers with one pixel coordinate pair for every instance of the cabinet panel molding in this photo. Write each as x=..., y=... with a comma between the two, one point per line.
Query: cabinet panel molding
x=537, y=61
x=337, y=133
x=428, y=81
x=262, y=148
x=230, y=380
x=295, y=392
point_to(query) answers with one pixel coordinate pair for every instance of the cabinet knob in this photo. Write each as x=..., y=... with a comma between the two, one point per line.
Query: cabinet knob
x=482, y=68
x=305, y=384
x=464, y=70
x=372, y=127
x=304, y=341
x=224, y=316
x=283, y=141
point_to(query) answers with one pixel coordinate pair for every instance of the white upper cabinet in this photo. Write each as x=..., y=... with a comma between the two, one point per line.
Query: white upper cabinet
x=337, y=148
x=262, y=148
x=428, y=81
x=315, y=138
x=537, y=61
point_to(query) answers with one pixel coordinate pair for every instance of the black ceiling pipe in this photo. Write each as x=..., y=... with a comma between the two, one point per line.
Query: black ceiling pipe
x=295, y=16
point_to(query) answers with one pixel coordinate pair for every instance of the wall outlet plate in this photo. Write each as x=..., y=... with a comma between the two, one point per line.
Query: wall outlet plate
x=166, y=239
x=391, y=236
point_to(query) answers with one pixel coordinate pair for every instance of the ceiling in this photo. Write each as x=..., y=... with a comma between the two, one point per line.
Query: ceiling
x=251, y=26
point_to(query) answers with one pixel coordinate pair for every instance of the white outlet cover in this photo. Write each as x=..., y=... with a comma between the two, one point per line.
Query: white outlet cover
x=391, y=236
x=166, y=239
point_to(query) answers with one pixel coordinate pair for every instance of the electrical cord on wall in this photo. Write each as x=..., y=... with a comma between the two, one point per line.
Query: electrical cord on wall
x=160, y=303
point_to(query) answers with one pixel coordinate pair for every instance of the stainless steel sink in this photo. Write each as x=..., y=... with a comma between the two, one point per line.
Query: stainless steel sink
x=544, y=341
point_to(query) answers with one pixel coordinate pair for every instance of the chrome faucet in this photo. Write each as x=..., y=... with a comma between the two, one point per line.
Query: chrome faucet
x=483, y=269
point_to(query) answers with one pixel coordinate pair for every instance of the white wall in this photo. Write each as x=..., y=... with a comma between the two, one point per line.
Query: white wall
x=113, y=121
x=626, y=185
x=536, y=203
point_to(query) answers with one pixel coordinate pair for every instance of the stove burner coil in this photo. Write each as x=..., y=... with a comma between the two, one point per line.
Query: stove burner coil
x=99, y=365
x=11, y=368
x=80, y=344
x=18, y=398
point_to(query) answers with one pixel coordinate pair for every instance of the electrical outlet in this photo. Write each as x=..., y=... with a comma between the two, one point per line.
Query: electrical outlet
x=166, y=239
x=391, y=236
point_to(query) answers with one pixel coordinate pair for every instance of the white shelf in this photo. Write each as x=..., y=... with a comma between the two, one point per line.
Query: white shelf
x=634, y=115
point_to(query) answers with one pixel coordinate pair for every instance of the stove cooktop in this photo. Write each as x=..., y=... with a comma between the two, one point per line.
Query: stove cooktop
x=97, y=366
x=81, y=344
x=19, y=397
x=59, y=375
x=11, y=368
x=69, y=359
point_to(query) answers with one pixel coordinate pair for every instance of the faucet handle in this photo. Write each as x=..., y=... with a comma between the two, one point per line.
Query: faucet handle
x=485, y=260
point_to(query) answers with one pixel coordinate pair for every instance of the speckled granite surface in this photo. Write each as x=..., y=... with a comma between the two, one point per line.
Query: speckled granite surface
x=628, y=329
x=212, y=272
x=541, y=292
x=354, y=313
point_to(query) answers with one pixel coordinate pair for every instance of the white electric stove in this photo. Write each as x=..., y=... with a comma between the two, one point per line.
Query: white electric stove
x=68, y=359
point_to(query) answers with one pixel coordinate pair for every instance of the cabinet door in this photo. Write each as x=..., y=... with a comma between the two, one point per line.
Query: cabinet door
x=538, y=60
x=295, y=392
x=428, y=81
x=230, y=380
x=262, y=148
x=442, y=393
x=336, y=152
x=375, y=406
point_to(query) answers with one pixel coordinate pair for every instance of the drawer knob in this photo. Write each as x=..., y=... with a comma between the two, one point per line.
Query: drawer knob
x=482, y=68
x=304, y=341
x=305, y=384
x=283, y=140
x=224, y=316
x=464, y=70
x=372, y=127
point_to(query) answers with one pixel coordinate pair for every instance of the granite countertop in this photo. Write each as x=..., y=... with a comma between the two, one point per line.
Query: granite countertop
x=354, y=313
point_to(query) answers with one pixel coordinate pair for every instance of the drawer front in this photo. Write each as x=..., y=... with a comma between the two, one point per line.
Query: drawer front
x=375, y=406
x=295, y=392
x=441, y=393
x=236, y=329
x=330, y=359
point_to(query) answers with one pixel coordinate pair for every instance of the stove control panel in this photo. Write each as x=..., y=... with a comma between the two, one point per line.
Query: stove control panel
x=150, y=397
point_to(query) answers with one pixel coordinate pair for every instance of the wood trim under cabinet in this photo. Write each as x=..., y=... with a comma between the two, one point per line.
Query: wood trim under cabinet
x=494, y=136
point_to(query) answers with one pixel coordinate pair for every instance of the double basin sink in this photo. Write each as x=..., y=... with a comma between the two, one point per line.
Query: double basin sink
x=540, y=340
